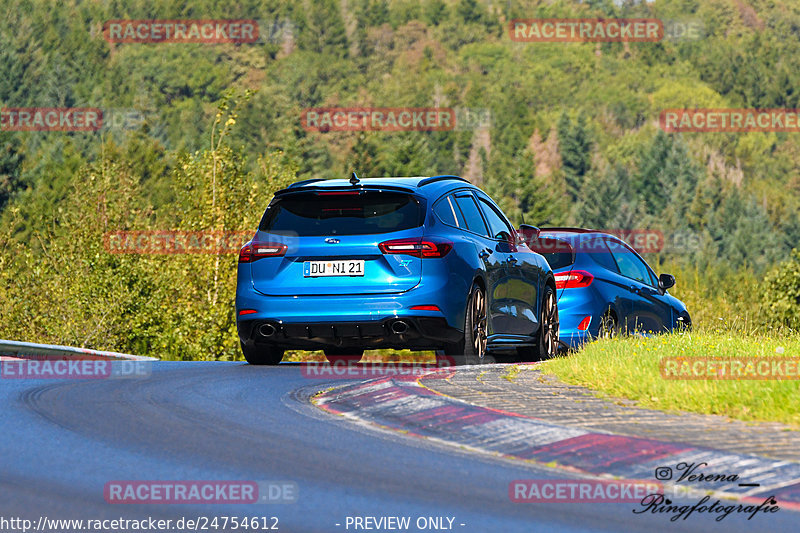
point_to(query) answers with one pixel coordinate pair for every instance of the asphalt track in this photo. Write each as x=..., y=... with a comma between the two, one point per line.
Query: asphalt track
x=62, y=441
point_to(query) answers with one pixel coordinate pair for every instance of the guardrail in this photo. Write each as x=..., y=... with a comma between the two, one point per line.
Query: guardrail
x=28, y=349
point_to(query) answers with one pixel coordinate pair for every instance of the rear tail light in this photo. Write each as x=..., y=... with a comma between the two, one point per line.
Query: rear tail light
x=573, y=280
x=425, y=308
x=253, y=251
x=417, y=247
x=584, y=325
x=247, y=312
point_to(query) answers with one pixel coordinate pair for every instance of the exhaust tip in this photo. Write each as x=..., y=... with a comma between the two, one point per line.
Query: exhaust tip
x=399, y=327
x=267, y=330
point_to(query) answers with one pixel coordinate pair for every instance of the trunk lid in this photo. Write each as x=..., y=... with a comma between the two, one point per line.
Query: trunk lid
x=338, y=232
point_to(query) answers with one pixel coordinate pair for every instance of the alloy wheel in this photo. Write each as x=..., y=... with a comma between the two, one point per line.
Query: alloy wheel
x=479, y=335
x=550, y=325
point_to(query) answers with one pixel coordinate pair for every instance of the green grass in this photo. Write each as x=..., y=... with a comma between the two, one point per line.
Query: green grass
x=629, y=367
x=511, y=373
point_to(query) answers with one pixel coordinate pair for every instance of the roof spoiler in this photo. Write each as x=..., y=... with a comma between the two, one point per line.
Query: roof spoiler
x=360, y=187
x=572, y=230
x=443, y=177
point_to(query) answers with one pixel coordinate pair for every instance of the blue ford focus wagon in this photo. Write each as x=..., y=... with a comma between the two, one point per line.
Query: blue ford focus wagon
x=427, y=263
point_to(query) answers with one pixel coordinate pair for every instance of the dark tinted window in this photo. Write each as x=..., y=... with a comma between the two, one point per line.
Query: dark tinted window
x=445, y=212
x=497, y=225
x=471, y=214
x=600, y=254
x=311, y=214
x=557, y=253
x=462, y=223
x=630, y=265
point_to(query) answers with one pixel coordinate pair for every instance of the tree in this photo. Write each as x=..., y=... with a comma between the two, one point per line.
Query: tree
x=11, y=158
x=782, y=292
x=576, y=151
x=744, y=233
x=651, y=168
x=363, y=158
x=666, y=176
x=408, y=155
x=369, y=13
x=522, y=194
x=602, y=198
x=470, y=11
x=324, y=31
x=678, y=183
x=435, y=12
x=64, y=286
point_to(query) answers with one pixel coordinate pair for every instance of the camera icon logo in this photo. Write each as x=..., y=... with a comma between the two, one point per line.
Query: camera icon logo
x=663, y=473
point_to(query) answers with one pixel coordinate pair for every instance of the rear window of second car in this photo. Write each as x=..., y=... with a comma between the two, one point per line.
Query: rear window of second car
x=369, y=212
x=558, y=253
x=597, y=249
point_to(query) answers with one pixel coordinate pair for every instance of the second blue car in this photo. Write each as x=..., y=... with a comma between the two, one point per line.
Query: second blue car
x=604, y=286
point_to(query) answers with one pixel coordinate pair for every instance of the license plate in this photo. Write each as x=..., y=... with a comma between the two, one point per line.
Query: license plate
x=318, y=269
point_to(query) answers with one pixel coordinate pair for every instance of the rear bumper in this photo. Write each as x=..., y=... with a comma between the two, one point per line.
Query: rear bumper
x=574, y=338
x=350, y=320
x=573, y=307
x=414, y=332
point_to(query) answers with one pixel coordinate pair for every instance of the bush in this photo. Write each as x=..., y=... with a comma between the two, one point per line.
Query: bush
x=63, y=287
x=782, y=292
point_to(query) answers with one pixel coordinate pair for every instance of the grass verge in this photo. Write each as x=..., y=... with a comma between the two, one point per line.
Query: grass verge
x=629, y=367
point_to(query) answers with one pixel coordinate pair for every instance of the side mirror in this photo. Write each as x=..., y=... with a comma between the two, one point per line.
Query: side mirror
x=665, y=281
x=527, y=233
x=508, y=243
x=505, y=237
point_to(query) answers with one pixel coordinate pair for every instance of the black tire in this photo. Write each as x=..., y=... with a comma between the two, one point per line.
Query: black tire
x=347, y=355
x=684, y=323
x=527, y=354
x=262, y=355
x=471, y=350
x=547, y=338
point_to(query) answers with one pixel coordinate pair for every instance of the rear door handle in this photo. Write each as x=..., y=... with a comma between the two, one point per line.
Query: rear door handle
x=633, y=288
x=483, y=254
x=511, y=259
